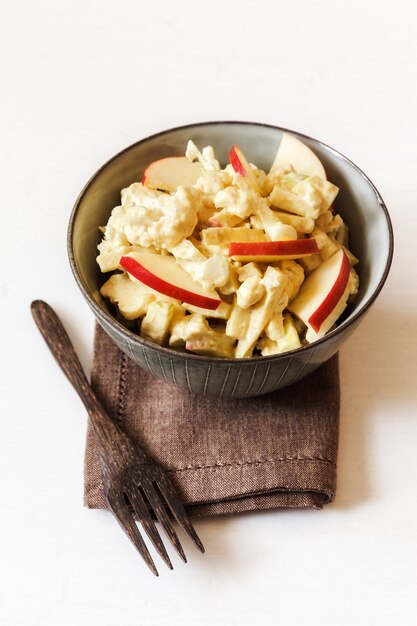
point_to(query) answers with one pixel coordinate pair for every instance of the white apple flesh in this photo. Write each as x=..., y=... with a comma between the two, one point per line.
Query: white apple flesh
x=167, y=174
x=323, y=295
x=163, y=274
x=242, y=167
x=295, y=153
x=270, y=251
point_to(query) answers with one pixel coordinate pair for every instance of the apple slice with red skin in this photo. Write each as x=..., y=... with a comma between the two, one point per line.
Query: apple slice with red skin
x=163, y=274
x=323, y=295
x=167, y=174
x=295, y=153
x=242, y=167
x=269, y=251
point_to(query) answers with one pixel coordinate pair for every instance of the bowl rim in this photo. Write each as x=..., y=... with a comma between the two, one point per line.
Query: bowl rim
x=129, y=335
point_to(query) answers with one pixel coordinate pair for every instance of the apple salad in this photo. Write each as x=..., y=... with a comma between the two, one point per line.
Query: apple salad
x=229, y=262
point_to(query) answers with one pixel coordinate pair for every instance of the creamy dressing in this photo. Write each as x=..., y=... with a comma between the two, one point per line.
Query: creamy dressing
x=196, y=225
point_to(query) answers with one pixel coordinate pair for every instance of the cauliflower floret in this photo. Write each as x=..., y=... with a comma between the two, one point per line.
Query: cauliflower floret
x=114, y=233
x=210, y=273
x=135, y=223
x=236, y=204
x=212, y=182
x=109, y=256
x=249, y=292
x=209, y=157
x=285, y=176
x=139, y=195
x=232, y=284
x=154, y=219
x=247, y=270
x=274, y=330
x=214, y=273
x=194, y=332
x=180, y=218
x=239, y=202
x=289, y=340
x=206, y=157
x=317, y=193
x=273, y=300
x=185, y=251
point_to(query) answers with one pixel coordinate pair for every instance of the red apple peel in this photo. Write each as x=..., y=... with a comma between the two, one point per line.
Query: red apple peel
x=149, y=279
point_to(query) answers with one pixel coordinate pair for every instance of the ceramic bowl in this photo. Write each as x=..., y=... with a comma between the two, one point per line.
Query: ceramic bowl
x=358, y=201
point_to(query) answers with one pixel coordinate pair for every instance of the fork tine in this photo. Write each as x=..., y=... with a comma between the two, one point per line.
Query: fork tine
x=126, y=521
x=141, y=510
x=164, y=519
x=167, y=490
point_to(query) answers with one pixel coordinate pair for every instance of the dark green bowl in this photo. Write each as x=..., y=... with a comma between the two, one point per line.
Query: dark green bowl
x=358, y=201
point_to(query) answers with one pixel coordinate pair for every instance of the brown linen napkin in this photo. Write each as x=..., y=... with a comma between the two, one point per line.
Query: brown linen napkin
x=223, y=456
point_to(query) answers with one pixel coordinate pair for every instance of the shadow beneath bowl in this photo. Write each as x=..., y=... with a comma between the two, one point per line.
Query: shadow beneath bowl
x=376, y=383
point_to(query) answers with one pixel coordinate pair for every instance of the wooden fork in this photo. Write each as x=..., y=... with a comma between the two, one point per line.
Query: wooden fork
x=135, y=485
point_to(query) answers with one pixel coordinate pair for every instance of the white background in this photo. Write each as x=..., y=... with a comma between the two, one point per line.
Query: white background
x=81, y=80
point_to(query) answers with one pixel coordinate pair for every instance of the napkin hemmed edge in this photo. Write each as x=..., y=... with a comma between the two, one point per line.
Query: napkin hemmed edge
x=277, y=500
x=313, y=488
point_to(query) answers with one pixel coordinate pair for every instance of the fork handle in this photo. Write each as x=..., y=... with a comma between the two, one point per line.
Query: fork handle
x=114, y=443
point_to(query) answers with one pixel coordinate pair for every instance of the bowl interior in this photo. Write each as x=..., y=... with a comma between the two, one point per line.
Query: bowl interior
x=358, y=201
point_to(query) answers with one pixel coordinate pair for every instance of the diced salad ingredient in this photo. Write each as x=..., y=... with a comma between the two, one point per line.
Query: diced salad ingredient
x=230, y=262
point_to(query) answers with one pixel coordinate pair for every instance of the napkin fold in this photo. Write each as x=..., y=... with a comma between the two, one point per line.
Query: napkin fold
x=223, y=456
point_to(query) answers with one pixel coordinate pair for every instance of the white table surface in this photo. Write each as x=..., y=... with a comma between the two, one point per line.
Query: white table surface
x=81, y=80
